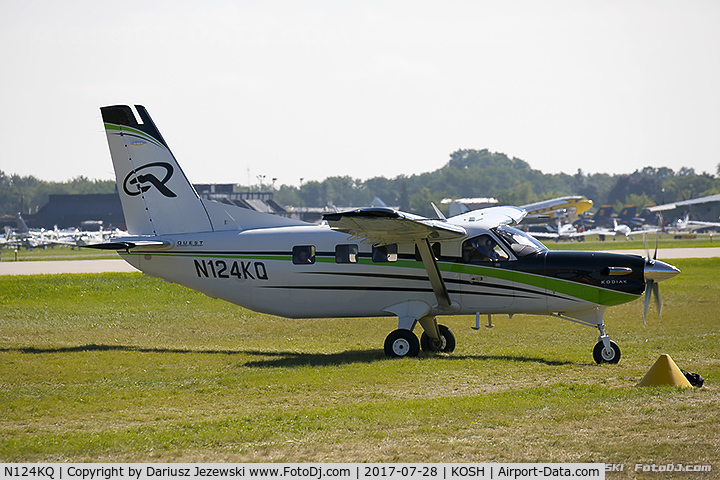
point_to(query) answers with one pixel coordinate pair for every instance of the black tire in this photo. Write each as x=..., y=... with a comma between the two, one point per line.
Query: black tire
x=601, y=356
x=446, y=344
x=402, y=343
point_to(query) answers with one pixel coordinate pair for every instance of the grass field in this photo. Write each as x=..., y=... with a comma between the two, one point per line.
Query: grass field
x=119, y=367
x=664, y=240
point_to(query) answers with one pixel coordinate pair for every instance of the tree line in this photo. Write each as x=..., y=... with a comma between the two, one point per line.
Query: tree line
x=481, y=173
x=27, y=194
x=468, y=173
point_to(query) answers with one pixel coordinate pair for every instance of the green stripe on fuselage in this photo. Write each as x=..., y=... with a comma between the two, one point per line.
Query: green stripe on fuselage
x=584, y=292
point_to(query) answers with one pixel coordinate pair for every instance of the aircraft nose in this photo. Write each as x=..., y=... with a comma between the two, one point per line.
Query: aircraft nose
x=658, y=271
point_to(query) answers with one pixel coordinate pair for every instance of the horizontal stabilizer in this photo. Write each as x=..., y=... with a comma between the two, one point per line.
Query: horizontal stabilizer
x=139, y=244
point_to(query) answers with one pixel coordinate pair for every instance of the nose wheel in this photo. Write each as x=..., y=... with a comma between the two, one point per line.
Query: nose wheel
x=603, y=354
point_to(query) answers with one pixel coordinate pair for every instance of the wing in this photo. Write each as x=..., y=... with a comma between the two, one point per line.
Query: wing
x=491, y=217
x=544, y=234
x=385, y=225
x=697, y=224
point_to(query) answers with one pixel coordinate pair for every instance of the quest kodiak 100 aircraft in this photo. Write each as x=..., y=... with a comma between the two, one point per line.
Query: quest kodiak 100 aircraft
x=361, y=263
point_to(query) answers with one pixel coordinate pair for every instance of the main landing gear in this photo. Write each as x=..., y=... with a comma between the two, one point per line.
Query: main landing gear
x=404, y=343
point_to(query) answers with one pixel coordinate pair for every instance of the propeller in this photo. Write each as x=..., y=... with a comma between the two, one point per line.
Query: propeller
x=652, y=288
x=655, y=272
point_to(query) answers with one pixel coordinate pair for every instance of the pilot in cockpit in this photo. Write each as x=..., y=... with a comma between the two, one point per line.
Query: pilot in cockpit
x=482, y=249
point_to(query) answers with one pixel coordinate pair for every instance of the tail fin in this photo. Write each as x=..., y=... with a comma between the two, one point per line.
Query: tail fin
x=156, y=196
x=21, y=225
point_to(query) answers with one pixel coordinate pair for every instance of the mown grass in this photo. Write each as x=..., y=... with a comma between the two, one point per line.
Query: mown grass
x=119, y=367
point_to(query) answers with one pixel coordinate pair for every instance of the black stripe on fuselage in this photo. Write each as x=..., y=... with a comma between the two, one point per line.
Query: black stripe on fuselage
x=513, y=290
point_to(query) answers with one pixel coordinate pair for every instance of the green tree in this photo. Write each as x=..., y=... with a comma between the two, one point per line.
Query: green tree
x=421, y=202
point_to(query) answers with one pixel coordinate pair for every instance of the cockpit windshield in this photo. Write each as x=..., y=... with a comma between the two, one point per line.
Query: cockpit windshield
x=519, y=242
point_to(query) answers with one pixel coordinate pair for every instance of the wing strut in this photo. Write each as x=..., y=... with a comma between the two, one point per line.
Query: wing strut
x=433, y=271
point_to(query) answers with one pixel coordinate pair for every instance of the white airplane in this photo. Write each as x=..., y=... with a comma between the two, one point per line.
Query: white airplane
x=685, y=225
x=563, y=231
x=362, y=263
x=566, y=209
x=625, y=230
x=569, y=232
x=621, y=229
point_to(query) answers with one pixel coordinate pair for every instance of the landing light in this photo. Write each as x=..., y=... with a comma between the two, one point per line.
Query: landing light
x=614, y=271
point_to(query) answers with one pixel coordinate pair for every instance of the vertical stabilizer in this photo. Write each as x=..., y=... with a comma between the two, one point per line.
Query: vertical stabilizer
x=156, y=196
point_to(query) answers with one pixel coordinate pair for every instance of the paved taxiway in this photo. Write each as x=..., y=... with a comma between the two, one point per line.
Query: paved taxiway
x=670, y=253
x=65, y=266
x=118, y=265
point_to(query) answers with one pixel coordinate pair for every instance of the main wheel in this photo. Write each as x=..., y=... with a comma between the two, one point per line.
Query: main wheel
x=604, y=356
x=402, y=343
x=446, y=342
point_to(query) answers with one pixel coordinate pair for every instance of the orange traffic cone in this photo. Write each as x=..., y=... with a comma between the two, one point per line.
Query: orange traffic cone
x=664, y=372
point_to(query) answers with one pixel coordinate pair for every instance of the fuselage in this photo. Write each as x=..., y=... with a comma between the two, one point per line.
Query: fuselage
x=312, y=271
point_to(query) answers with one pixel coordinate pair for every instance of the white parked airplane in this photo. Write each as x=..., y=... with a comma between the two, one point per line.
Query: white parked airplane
x=684, y=225
x=365, y=262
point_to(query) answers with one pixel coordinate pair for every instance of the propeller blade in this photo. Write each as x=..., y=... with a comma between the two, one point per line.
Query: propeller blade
x=648, y=289
x=656, y=247
x=658, y=301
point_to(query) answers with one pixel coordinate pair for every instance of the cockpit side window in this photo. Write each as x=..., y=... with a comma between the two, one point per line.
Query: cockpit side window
x=481, y=249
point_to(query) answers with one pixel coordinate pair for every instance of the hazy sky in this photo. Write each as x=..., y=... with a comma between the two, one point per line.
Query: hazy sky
x=311, y=89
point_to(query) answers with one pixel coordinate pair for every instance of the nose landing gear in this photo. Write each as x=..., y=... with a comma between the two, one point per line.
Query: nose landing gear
x=605, y=351
x=602, y=354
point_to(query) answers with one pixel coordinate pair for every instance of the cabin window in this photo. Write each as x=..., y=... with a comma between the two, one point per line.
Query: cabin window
x=303, y=255
x=481, y=249
x=384, y=253
x=436, y=249
x=346, y=253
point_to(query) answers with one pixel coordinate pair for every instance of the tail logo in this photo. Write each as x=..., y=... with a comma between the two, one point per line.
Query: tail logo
x=136, y=183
